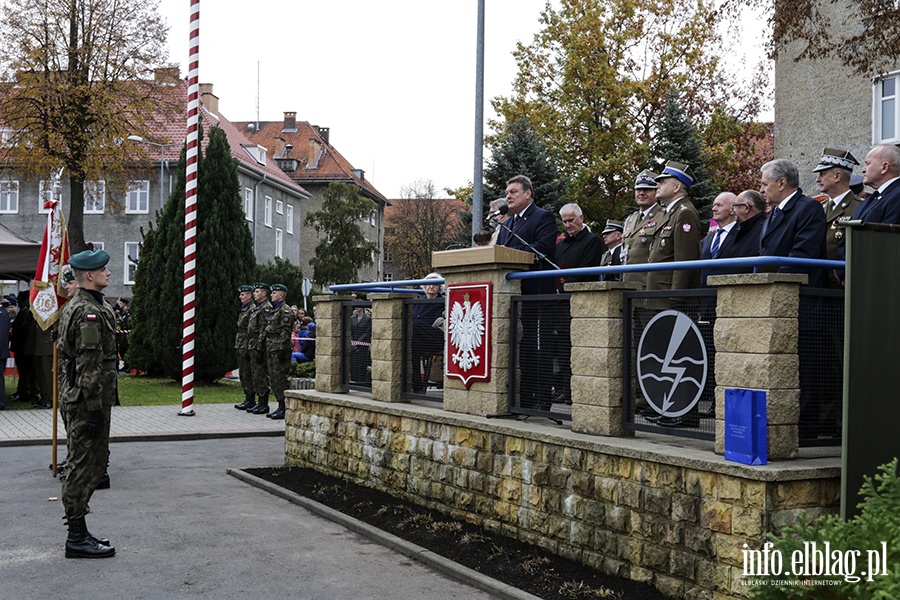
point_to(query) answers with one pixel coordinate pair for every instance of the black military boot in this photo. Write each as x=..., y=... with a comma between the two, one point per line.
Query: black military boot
x=262, y=406
x=279, y=413
x=247, y=403
x=103, y=484
x=81, y=544
x=99, y=540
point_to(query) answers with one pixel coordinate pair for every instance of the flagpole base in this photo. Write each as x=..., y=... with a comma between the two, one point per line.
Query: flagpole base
x=186, y=412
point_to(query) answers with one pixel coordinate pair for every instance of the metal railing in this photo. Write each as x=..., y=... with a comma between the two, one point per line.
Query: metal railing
x=423, y=349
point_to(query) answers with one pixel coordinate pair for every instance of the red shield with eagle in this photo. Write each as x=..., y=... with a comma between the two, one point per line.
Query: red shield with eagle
x=468, y=332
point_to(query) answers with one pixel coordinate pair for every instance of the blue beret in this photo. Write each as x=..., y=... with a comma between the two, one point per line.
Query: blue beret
x=245, y=288
x=89, y=260
x=277, y=287
x=261, y=286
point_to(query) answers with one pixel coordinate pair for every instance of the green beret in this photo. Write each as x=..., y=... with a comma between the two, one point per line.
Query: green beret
x=245, y=288
x=261, y=286
x=89, y=260
x=279, y=288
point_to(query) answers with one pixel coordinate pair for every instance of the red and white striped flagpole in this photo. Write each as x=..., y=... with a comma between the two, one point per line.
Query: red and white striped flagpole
x=190, y=216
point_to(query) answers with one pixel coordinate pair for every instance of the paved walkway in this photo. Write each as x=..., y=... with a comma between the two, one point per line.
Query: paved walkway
x=143, y=423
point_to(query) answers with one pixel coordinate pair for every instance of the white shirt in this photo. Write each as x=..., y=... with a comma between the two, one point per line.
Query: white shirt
x=838, y=199
x=725, y=229
x=886, y=184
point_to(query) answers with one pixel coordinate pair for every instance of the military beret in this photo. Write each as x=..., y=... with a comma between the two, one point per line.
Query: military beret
x=89, y=260
x=261, y=286
x=11, y=299
x=245, y=288
x=68, y=275
x=679, y=171
x=277, y=287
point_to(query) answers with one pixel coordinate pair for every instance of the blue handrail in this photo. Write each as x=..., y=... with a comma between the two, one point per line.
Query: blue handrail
x=718, y=264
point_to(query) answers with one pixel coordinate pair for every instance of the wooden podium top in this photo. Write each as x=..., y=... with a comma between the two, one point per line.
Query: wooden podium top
x=481, y=255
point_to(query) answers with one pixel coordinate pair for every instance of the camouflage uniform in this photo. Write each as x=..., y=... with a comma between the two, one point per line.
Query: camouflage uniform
x=275, y=336
x=256, y=343
x=87, y=346
x=243, y=349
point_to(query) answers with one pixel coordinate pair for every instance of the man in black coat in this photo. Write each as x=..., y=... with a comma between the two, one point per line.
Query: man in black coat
x=750, y=212
x=796, y=225
x=535, y=232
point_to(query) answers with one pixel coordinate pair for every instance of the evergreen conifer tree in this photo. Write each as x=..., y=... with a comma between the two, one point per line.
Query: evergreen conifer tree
x=519, y=151
x=343, y=248
x=677, y=140
x=286, y=273
x=140, y=349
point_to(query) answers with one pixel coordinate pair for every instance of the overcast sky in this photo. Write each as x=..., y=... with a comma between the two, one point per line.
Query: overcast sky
x=394, y=79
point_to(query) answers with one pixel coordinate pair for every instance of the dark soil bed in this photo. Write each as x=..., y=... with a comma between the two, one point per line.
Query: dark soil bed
x=518, y=564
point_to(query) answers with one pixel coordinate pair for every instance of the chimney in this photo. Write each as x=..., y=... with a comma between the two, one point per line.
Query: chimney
x=323, y=133
x=287, y=151
x=166, y=76
x=209, y=100
x=290, y=121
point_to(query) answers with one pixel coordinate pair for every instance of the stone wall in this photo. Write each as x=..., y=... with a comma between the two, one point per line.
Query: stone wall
x=672, y=516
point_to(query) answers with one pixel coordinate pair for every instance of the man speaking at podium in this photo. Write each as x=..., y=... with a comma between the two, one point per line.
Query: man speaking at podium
x=532, y=229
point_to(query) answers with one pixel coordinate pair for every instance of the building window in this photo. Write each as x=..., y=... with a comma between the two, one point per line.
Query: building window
x=279, y=243
x=137, y=201
x=290, y=219
x=94, y=197
x=95, y=245
x=132, y=254
x=279, y=206
x=388, y=255
x=388, y=276
x=268, y=215
x=887, y=110
x=248, y=204
x=9, y=197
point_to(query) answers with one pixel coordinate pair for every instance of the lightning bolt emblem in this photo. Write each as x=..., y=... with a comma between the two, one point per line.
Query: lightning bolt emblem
x=679, y=331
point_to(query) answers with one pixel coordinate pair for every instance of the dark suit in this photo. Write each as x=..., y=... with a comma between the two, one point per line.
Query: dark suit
x=885, y=208
x=746, y=240
x=706, y=252
x=797, y=231
x=537, y=227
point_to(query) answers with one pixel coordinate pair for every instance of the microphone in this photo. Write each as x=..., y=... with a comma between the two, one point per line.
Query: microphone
x=502, y=210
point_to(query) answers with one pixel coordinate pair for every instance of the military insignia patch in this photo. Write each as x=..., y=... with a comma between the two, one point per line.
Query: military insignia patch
x=839, y=234
x=686, y=227
x=667, y=228
x=91, y=317
x=650, y=224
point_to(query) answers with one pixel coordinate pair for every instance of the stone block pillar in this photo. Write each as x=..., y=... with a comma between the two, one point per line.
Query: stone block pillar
x=756, y=336
x=387, y=346
x=597, y=354
x=329, y=330
x=480, y=265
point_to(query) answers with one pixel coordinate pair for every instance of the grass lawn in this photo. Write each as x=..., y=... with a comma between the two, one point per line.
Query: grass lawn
x=148, y=391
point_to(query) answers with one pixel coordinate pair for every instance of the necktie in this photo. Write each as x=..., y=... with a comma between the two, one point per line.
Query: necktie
x=715, y=245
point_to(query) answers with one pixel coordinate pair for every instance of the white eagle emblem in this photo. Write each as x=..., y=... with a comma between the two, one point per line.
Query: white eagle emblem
x=466, y=330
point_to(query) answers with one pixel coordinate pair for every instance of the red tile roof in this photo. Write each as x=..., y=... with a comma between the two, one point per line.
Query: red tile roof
x=306, y=139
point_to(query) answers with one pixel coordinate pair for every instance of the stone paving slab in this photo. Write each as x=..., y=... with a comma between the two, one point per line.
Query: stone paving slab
x=137, y=423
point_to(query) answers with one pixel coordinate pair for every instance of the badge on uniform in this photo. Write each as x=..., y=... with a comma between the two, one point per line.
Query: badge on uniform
x=686, y=227
x=839, y=234
x=650, y=224
x=91, y=317
x=662, y=243
x=667, y=228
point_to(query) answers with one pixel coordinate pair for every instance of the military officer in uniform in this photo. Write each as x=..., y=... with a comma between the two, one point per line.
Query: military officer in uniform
x=833, y=178
x=256, y=345
x=677, y=237
x=612, y=238
x=242, y=347
x=277, y=328
x=640, y=226
x=87, y=345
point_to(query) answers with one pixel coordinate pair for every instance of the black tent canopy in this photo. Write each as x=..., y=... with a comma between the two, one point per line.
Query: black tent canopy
x=18, y=255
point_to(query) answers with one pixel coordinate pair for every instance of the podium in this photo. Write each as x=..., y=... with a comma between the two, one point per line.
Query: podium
x=484, y=264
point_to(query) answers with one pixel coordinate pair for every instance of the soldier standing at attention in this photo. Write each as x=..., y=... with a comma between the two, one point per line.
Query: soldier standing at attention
x=242, y=347
x=678, y=236
x=279, y=323
x=87, y=342
x=640, y=227
x=256, y=345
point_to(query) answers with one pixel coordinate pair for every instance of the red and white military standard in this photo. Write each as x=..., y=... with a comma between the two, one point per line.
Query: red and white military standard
x=468, y=344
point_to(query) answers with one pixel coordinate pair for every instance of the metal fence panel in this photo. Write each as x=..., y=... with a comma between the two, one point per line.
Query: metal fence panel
x=423, y=345
x=540, y=356
x=356, y=346
x=821, y=351
x=669, y=362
